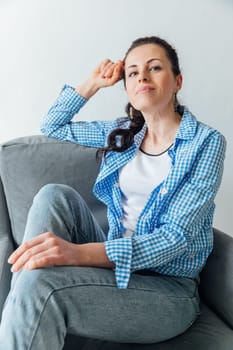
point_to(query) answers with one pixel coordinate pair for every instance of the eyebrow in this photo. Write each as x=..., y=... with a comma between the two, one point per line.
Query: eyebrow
x=149, y=61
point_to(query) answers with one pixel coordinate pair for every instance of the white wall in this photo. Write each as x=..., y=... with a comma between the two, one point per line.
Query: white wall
x=46, y=43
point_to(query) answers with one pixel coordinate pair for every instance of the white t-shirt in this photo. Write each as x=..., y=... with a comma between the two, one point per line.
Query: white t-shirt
x=137, y=180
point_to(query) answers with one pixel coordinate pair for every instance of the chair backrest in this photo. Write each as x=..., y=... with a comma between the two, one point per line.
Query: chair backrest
x=28, y=163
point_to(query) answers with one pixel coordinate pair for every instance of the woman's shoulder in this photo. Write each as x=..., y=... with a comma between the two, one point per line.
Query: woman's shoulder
x=210, y=132
x=202, y=129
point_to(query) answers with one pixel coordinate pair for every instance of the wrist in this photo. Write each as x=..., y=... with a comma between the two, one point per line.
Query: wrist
x=87, y=89
x=93, y=254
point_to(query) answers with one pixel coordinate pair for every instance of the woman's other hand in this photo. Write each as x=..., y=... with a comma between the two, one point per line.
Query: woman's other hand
x=47, y=249
x=42, y=251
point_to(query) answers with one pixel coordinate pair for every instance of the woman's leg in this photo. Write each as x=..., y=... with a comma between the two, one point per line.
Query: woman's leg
x=60, y=209
x=45, y=304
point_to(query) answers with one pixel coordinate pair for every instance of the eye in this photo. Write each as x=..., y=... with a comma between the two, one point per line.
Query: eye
x=132, y=74
x=155, y=68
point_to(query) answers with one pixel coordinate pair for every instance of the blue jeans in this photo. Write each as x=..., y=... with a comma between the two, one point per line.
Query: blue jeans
x=46, y=304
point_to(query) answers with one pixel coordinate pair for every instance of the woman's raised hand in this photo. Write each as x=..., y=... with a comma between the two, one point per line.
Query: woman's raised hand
x=107, y=73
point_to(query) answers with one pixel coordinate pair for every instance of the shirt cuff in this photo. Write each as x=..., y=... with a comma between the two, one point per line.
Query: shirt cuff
x=71, y=98
x=119, y=251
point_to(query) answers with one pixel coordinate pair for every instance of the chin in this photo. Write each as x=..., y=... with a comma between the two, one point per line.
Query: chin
x=145, y=104
x=145, y=108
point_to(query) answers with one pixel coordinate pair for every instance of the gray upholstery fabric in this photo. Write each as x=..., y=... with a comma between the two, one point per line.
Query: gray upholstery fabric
x=26, y=164
x=218, y=277
x=6, y=247
x=29, y=163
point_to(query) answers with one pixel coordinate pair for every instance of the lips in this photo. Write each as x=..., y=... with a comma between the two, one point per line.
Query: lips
x=145, y=89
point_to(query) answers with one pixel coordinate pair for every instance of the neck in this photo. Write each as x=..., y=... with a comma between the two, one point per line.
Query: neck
x=162, y=127
x=161, y=131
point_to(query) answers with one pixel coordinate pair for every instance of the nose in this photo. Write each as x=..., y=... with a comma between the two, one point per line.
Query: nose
x=142, y=76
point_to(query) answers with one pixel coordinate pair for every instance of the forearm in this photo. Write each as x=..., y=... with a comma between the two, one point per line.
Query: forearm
x=61, y=112
x=87, y=89
x=93, y=254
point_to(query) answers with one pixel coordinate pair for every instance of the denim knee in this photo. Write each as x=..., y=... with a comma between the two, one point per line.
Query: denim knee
x=53, y=193
x=31, y=284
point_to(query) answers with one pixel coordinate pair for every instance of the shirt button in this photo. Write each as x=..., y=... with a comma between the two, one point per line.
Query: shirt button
x=163, y=191
x=191, y=255
x=117, y=184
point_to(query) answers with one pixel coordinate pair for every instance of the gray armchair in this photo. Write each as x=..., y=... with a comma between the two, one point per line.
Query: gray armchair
x=28, y=163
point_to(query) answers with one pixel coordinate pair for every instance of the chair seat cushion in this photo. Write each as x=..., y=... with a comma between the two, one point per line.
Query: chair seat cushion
x=209, y=332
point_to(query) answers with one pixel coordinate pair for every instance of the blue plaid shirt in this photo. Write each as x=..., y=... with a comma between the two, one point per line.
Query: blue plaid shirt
x=173, y=234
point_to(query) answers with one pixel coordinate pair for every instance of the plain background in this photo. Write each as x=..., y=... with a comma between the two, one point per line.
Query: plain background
x=46, y=43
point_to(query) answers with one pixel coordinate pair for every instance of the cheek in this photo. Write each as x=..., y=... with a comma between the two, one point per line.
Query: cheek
x=127, y=85
x=168, y=83
x=129, y=89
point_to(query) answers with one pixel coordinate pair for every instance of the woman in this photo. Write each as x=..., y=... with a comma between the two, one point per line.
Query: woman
x=160, y=172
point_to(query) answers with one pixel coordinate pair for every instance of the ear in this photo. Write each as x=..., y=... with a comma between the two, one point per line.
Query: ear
x=179, y=82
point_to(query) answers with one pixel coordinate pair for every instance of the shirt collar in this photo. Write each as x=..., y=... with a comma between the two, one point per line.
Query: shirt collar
x=188, y=125
x=140, y=136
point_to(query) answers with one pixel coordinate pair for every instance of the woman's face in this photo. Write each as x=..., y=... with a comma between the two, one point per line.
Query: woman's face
x=149, y=80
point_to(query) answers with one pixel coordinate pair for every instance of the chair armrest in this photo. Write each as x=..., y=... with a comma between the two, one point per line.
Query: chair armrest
x=216, y=285
x=6, y=248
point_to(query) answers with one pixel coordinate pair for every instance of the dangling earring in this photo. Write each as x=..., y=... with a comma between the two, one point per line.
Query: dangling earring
x=131, y=113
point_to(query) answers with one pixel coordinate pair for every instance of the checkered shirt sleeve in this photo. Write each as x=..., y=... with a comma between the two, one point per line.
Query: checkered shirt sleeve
x=57, y=123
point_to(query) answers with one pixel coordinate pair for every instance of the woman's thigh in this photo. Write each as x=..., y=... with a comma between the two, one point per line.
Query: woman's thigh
x=151, y=309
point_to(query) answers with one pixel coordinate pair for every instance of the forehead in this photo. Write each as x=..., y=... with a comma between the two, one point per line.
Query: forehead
x=145, y=52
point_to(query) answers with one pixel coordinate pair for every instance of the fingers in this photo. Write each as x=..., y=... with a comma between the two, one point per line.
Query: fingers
x=107, y=68
x=43, y=259
x=31, y=249
x=107, y=73
x=25, y=246
x=104, y=66
x=28, y=258
x=118, y=70
x=111, y=72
